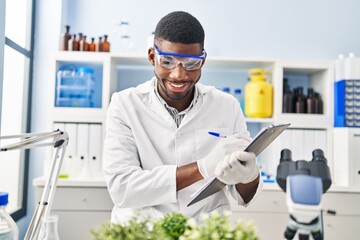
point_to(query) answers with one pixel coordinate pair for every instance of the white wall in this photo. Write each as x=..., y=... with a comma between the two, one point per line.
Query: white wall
x=281, y=29
x=301, y=29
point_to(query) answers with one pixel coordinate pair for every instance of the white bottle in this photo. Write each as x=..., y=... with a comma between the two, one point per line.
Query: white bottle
x=352, y=67
x=150, y=40
x=239, y=96
x=8, y=228
x=340, y=68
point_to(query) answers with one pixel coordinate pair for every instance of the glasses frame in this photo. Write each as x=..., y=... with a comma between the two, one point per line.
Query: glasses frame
x=202, y=56
x=180, y=55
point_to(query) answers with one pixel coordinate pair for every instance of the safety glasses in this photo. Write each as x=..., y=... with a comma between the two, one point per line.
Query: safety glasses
x=170, y=60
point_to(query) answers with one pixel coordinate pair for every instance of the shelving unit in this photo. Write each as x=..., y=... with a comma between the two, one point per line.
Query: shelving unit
x=117, y=72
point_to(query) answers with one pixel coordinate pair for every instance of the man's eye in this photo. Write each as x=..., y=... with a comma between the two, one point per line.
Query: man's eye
x=192, y=64
x=166, y=60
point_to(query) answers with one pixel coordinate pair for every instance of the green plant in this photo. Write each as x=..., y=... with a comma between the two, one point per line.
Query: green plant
x=176, y=226
x=217, y=226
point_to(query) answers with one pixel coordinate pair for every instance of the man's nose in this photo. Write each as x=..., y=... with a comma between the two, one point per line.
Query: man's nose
x=179, y=71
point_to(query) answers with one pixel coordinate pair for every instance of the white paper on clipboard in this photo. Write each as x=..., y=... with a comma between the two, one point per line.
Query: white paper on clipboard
x=263, y=139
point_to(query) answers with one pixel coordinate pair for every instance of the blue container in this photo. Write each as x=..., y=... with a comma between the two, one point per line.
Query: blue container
x=347, y=103
x=75, y=87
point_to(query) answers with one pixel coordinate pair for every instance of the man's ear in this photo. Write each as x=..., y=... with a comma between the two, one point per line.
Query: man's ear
x=151, y=56
x=203, y=62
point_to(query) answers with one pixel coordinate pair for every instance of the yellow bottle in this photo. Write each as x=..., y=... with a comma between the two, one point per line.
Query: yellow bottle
x=258, y=95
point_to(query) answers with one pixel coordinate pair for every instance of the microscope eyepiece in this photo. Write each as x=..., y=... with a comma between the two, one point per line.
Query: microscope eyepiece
x=318, y=155
x=285, y=155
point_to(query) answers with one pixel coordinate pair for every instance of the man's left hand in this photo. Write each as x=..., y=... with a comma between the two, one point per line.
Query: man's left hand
x=239, y=167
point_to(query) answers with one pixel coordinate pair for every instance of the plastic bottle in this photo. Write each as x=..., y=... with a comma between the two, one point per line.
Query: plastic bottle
x=150, y=40
x=258, y=95
x=8, y=228
x=239, y=96
x=352, y=67
x=64, y=39
x=340, y=68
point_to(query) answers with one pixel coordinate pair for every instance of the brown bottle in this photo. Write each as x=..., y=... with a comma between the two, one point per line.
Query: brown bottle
x=83, y=45
x=106, y=44
x=99, y=45
x=73, y=44
x=300, y=106
x=288, y=105
x=310, y=101
x=92, y=47
x=318, y=104
x=64, y=39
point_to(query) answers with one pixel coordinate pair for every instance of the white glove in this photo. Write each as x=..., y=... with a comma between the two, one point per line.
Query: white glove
x=225, y=146
x=239, y=167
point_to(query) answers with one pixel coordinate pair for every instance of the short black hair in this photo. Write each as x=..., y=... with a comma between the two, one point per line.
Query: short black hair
x=180, y=27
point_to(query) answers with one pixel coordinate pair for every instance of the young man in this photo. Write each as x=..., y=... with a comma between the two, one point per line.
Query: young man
x=157, y=150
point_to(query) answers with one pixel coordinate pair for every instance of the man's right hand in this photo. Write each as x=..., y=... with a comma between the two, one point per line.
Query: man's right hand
x=226, y=146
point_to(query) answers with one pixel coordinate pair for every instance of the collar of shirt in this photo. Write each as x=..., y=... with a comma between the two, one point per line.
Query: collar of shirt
x=175, y=114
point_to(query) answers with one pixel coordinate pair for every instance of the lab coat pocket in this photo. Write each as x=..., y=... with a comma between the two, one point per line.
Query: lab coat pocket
x=205, y=142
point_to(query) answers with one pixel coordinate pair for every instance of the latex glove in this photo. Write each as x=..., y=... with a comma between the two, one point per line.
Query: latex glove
x=239, y=167
x=225, y=146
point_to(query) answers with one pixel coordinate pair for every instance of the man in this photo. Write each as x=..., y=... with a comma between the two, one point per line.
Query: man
x=157, y=150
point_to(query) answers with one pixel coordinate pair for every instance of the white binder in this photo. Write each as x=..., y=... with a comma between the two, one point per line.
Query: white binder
x=70, y=157
x=95, y=143
x=82, y=153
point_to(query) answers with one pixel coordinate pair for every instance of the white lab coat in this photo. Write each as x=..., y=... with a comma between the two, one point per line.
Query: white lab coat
x=143, y=147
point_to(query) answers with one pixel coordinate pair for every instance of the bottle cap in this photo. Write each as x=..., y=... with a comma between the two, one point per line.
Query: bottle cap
x=238, y=90
x=4, y=198
x=226, y=89
x=85, y=70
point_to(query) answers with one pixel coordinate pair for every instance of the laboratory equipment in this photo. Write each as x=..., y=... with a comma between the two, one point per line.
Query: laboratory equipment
x=64, y=39
x=304, y=183
x=75, y=87
x=258, y=95
x=49, y=230
x=57, y=139
x=8, y=228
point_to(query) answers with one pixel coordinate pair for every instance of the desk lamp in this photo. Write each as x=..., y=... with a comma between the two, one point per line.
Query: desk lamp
x=59, y=140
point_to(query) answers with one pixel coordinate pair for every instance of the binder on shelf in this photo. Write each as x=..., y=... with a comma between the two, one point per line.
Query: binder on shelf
x=95, y=141
x=70, y=157
x=82, y=154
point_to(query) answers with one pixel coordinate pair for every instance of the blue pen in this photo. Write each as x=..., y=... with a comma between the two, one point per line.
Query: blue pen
x=216, y=134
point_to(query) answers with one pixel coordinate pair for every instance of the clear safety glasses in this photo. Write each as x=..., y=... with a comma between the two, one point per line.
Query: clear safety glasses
x=170, y=60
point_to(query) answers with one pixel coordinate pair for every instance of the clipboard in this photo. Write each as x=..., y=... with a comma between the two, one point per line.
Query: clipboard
x=263, y=139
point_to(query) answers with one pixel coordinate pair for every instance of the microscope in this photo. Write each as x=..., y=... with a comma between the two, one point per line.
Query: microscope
x=304, y=183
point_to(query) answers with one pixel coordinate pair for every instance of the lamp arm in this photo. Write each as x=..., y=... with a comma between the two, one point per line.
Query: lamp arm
x=31, y=140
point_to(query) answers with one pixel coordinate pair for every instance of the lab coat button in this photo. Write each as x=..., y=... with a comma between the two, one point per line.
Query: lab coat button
x=177, y=134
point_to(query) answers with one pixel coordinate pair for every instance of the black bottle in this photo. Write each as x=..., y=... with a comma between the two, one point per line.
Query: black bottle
x=300, y=106
x=310, y=101
x=318, y=103
x=288, y=98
